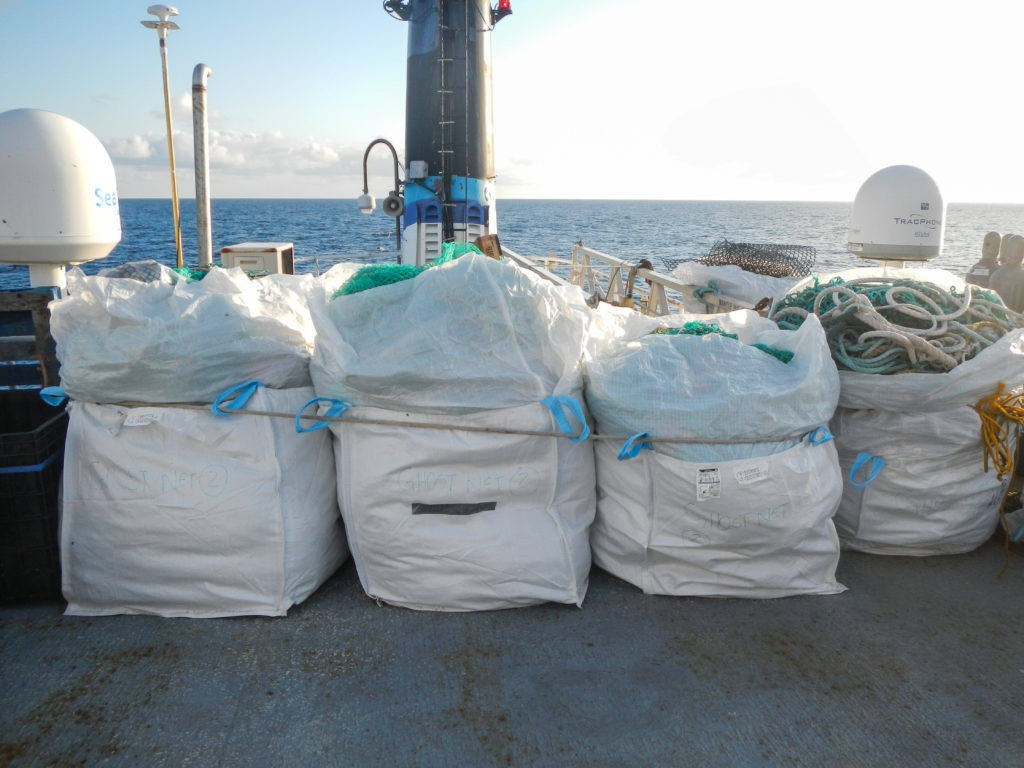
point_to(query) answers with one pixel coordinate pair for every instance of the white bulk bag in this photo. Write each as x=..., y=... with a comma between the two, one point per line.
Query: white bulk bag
x=932, y=495
x=179, y=512
x=732, y=281
x=709, y=388
x=456, y=520
x=121, y=339
x=759, y=527
x=473, y=334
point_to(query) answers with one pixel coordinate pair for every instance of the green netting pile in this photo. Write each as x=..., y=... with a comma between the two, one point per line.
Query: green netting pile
x=782, y=355
x=376, y=275
x=697, y=328
x=190, y=274
x=150, y=271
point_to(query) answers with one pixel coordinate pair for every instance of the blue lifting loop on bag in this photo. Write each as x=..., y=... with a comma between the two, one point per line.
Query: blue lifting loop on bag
x=53, y=395
x=631, y=448
x=1018, y=535
x=240, y=394
x=820, y=435
x=336, y=409
x=566, y=402
x=877, y=462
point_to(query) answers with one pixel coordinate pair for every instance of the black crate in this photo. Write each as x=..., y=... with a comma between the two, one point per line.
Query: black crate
x=31, y=458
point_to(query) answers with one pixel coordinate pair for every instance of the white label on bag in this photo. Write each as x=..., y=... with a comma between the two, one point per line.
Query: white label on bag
x=709, y=483
x=140, y=418
x=751, y=474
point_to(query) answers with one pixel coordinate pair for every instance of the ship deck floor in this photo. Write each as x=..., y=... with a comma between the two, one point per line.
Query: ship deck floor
x=919, y=663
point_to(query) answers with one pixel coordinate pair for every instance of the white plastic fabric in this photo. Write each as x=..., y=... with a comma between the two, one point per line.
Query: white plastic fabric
x=473, y=334
x=120, y=339
x=178, y=512
x=931, y=497
x=709, y=388
x=733, y=283
x=755, y=528
x=460, y=521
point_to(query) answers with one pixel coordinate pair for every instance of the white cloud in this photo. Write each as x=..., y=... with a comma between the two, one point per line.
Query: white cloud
x=181, y=107
x=264, y=152
x=133, y=148
x=314, y=166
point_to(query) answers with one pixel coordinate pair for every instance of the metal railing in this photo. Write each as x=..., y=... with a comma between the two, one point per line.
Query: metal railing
x=627, y=283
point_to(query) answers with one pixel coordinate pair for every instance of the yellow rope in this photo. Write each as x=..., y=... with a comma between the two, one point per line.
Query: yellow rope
x=999, y=413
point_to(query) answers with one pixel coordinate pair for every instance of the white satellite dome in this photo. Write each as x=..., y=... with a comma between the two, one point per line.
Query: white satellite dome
x=58, y=200
x=898, y=215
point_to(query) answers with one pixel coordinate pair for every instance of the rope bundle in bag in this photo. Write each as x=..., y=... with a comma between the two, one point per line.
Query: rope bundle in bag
x=897, y=325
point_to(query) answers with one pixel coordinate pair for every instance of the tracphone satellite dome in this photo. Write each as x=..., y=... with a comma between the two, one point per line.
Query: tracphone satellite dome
x=898, y=215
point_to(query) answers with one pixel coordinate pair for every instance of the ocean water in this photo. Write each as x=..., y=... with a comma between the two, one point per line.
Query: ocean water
x=325, y=231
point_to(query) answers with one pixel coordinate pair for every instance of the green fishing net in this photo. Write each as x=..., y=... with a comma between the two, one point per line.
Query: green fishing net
x=191, y=275
x=697, y=328
x=376, y=275
x=783, y=355
x=452, y=251
x=150, y=271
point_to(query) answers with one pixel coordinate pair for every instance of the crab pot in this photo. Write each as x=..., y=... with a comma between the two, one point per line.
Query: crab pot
x=31, y=458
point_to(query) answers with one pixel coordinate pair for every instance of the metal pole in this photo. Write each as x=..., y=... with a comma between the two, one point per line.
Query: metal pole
x=163, y=12
x=366, y=183
x=366, y=155
x=200, y=132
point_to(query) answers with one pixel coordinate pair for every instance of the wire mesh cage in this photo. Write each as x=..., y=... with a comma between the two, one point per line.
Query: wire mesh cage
x=772, y=259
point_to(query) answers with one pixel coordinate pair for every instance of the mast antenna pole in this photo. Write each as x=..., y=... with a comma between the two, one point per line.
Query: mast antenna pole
x=163, y=26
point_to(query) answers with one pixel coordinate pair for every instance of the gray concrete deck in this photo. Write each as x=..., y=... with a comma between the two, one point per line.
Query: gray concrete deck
x=919, y=663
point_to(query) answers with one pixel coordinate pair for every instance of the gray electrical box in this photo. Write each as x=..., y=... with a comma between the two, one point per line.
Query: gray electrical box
x=260, y=257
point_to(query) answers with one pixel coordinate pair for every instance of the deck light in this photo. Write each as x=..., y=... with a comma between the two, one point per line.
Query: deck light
x=367, y=204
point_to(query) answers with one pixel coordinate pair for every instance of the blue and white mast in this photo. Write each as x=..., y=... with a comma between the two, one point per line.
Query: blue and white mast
x=449, y=149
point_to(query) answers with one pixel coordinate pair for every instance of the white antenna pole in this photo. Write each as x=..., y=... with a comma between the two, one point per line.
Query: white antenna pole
x=164, y=12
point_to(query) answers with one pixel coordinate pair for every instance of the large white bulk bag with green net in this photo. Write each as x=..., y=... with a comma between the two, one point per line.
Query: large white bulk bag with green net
x=449, y=518
x=741, y=505
x=131, y=339
x=727, y=397
x=178, y=512
x=456, y=520
x=471, y=334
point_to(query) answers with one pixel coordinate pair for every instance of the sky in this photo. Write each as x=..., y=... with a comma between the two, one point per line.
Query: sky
x=606, y=99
